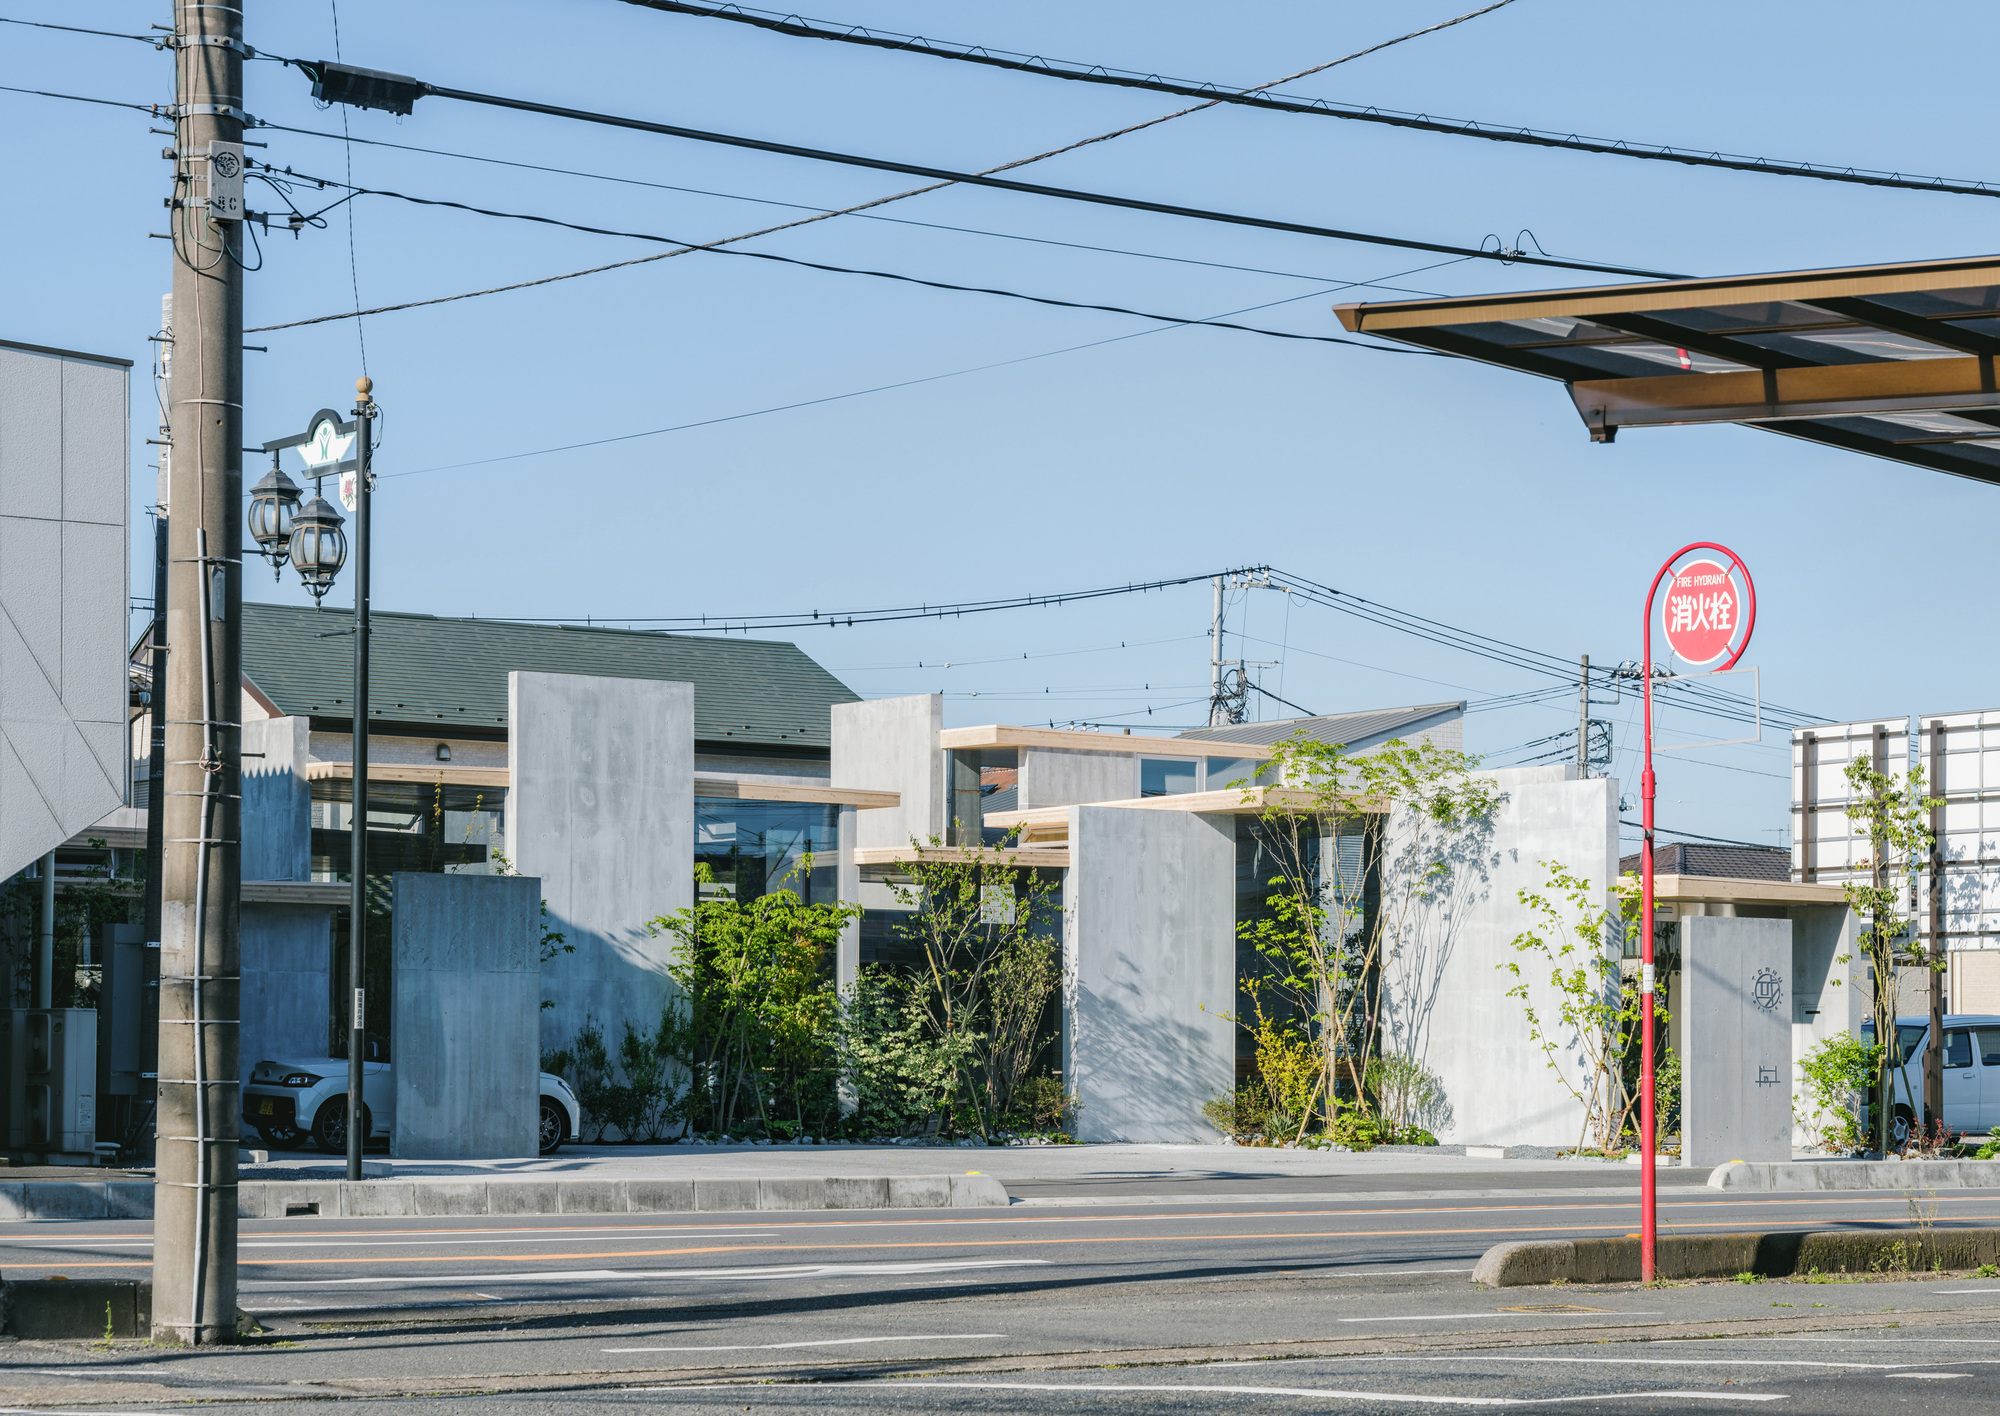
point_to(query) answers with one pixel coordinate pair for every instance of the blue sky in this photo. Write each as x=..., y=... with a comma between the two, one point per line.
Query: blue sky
x=1459, y=492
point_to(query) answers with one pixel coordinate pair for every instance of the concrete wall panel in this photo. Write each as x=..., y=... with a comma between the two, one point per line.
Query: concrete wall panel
x=601, y=809
x=1736, y=1074
x=287, y=1007
x=277, y=800
x=467, y=991
x=1052, y=776
x=891, y=744
x=1445, y=949
x=1149, y=969
x=63, y=592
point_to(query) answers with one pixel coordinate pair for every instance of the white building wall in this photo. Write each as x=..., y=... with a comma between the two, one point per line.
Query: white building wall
x=64, y=582
x=1446, y=948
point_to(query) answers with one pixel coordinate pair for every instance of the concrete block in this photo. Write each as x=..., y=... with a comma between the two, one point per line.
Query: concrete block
x=1735, y=1006
x=977, y=1190
x=522, y=1197
x=14, y=1202
x=63, y=1199
x=1727, y=1255
x=382, y=1199
x=466, y=1006
x=128, y=1199
x=451, y=1196
x=591, y=1196
x=791, y=1193
x=55, y=1309
x=1894, y=1175
x=732, y=1196
x=659, y=1196
x=601, y=810
x=251, y=1197
x=857, y=1192
x=1149, y=964
x=920, y=1191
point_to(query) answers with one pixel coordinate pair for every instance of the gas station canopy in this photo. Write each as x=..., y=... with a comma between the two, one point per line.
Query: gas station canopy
x=1893, y=360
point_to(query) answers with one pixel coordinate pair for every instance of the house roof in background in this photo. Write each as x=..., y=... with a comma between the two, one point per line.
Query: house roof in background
x=1352, y=729
x=452, y=673
x=1728, y=862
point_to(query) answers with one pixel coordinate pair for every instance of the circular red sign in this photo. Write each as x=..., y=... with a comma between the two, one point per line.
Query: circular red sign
x=1702, y=612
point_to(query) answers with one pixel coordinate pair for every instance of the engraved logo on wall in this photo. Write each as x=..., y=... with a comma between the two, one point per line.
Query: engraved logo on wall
x=1767, y=990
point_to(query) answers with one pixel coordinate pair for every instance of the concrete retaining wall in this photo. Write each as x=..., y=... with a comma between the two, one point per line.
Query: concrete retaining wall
x=69, y=1200
x=601, y=810
x=1902, y=1251
x=1859, y=1175
x=466, y=1003
x=1149, y=970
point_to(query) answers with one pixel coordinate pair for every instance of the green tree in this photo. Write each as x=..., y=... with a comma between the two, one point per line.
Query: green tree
x=1334, y=916
x=1892, y=814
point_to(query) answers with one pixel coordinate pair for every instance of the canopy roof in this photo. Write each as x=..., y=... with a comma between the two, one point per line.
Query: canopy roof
x=1894, y=360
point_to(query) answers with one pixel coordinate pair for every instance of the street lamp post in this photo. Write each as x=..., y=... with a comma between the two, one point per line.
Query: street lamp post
x=312, y=538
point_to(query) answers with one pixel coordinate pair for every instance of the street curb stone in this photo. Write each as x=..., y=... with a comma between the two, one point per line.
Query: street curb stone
x=1896, y=1251
x=1857, y=1175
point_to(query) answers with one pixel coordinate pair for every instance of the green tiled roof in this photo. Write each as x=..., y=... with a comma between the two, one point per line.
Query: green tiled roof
x=453, y=672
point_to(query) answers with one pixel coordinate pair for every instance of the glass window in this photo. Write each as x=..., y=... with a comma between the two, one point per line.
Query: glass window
x=755, y=847
x=1958, y=1048
x=1222, y=771
x=1166, y=776
x=1989, y=1047
x=1910, y=1040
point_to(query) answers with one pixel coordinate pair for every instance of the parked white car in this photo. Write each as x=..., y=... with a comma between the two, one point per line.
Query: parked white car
x=287, y=1101
x=1971, y=1072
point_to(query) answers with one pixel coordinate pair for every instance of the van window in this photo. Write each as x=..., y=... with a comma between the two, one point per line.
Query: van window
x=1957, y=1048
x=1989, y=1046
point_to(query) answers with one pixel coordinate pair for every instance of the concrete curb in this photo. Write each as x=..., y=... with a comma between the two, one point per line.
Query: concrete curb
x=1857, y=1175
x=393, y=1199
x=1895, y=1251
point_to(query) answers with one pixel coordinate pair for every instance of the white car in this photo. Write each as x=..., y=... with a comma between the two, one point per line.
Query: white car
x=287, y=1101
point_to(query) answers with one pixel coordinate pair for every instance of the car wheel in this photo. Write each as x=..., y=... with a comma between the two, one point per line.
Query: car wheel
x=330, y=1126
x=554, y=1128
x=284, y=1138
x=1902, y=1124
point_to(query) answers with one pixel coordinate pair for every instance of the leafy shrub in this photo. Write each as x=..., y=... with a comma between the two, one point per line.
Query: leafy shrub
x=1837, y=1074
x=1242, y=1116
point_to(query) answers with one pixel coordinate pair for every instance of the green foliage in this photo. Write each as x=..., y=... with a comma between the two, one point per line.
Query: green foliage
x=1836, y=1073
x=896, y=1069
x=1989, y=1151
x=1892, y=814
x=754, y=1029
x=1597, y=1013
x=1324, y=934
x=1405, y=1091
x=1244, y=1115
x=1666, y=1093
x=590, y=1076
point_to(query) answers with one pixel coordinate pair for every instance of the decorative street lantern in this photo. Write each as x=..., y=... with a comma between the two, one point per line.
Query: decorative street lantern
x=273, y=503
x=318, y=545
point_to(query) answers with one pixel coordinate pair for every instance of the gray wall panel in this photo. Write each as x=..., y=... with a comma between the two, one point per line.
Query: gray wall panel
x=1736, y=1071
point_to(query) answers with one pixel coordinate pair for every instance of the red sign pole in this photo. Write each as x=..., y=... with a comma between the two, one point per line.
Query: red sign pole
x=1702, y=610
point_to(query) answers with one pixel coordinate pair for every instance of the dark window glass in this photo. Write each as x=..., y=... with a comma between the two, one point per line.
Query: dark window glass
x=1162, y=776
x=1958, y=1048
x=1989, y=1047
x=756, y=847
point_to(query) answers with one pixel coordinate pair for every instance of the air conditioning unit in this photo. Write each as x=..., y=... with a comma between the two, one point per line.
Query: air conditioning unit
x=51, y=1095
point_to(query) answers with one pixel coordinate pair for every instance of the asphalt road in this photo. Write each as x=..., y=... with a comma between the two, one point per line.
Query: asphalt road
x=1208, y=1305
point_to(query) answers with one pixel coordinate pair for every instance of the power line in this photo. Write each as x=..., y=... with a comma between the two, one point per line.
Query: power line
x=1696, y=836
x=1317, y=107
x=317, y=69
x=830, y=211
x=270, y=173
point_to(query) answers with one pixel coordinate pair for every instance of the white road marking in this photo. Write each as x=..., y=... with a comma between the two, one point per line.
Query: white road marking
x=616, y=1275
x=1933, y=1376
x=1452, y=1317
x=1941, y=1292
x=1475, y=1357
x=916, y=1386
x=822, y=1342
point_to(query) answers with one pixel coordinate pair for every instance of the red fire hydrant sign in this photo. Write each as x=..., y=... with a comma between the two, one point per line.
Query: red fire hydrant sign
x=1701, y=612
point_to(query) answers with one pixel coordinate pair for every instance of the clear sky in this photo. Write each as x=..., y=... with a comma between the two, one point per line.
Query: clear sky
x=1110, y=449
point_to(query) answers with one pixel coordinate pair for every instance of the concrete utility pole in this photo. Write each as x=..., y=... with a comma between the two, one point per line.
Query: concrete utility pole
x=1218, y=714
x=156, y=752
x=194, y=1210
x=1583, y=721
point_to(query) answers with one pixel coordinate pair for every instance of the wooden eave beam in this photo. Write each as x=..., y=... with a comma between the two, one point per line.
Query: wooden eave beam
x=1773, y=395
x=496, y=779
x=1002, y=735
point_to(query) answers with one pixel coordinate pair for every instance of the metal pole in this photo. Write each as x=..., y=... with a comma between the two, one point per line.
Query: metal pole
x=1933, y=1054
x=1216, y=716
x=1648, y=1208
x=156, y=787
x=194, y=1209
x=45, y=937
x=357, y=909
x=1583, y=721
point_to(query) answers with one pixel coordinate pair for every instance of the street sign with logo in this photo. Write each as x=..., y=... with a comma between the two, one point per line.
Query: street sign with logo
x=325, y=447
x=1702, y=611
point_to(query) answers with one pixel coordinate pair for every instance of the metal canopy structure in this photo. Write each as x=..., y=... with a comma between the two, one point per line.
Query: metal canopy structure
x=1895, y=361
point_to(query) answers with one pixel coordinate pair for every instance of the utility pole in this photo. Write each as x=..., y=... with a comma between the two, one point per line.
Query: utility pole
x=1218, y=715
x=156, y=753
x=357, y=908
x=198, y=1116
x=1583, y=721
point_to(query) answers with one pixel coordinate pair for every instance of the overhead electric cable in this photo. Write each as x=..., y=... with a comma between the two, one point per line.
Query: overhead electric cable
x=356, y=191
x=831, y=211
x=976, y=179
x=1317, y=107
x=148, y=108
